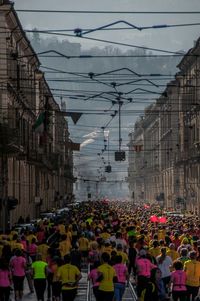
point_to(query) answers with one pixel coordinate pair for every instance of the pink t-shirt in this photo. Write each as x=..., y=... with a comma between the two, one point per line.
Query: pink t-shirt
x=40, y=236
x=4, y=278
x=121, y=271
x=18, y=264
x=93, y=275
x=144, y=267
x=32, y=249
x=178, y=279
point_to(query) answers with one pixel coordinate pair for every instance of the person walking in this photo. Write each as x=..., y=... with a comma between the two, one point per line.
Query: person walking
x=143, y=270
x=18, y=269
x=122, y=276
x=5, y=280
x=39, y=270
x=107, y=277
x=165, y=263
x=178, y=280
x=69, y=275
x=192, y=269
x=93, y=276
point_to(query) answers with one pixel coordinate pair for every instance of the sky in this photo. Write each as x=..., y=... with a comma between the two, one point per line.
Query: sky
x=171, y=39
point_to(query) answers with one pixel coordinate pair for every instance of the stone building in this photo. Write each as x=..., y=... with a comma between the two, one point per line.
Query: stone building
x=171, y=133
x=188, y=161
x=136, y=162
x=152, y=183
x=34, y=148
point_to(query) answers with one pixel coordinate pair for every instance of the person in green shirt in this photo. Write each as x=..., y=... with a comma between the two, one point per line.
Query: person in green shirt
x=39, y=271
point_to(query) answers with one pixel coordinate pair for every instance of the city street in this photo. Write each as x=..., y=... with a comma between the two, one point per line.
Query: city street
x=100, y=149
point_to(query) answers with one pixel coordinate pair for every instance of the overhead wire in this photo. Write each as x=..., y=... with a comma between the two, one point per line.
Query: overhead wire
x=134, y=90
x=107, y=12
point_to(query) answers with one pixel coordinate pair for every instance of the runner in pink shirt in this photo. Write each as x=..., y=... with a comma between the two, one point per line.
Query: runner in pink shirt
x=93, y=276
x=32, y=249
x=178, y=280
x=143, y=270
x=122, y=276
x=5, y=280
x=24, y=242
x=144, y=265
x=18, y=266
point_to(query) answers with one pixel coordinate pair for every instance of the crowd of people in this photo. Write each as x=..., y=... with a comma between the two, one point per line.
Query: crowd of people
x=118, y=241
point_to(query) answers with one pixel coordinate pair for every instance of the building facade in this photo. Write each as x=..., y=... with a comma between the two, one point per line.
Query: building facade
x=136, y=162
x=36, y=166
x=171, y=133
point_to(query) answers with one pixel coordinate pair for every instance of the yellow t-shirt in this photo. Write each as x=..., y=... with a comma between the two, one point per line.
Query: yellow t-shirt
x=30, y=237
x=83, y=244
x=68, y=274
x=154, y=251
x=161, y=234
x=43, y=250
x=61, y=229
x=192, y=268
x=64, y=247
x=16, y=245
x=105, y=235
x=124, y=256
x=69, y=235
x=173, y=254
x=108, y=273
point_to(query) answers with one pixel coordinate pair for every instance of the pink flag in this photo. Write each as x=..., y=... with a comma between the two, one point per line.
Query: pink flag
x=162, y=220
x=154, y=219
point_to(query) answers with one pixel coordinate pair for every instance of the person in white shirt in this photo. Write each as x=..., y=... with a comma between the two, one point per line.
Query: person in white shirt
x=164, y=264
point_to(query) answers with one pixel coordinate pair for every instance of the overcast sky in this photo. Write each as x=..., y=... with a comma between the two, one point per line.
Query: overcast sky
x=171, y=38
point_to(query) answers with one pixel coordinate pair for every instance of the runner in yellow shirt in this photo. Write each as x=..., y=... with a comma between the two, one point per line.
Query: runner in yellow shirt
x=122, y=253
x=192, y=269
x=172, y=252
x=83, y=247
x=43, y=250
x=107, y=277
x=69, y=276
x=64, y=246
x=155, y=250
